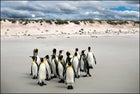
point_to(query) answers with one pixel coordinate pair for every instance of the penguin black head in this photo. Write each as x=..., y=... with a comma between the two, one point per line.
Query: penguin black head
x=34, y=58
x=60, y=51
x=76, y=49
x=83, y=51
x=67, y=53
x=41, y=59
x=61, y=57
x=89, y=48
x=47, y=57
x=54, y=51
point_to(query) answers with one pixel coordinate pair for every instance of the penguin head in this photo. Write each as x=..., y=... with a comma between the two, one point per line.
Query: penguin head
x=35, y=51
x=54, y=51
x=34, y=58
x=41, y=59
x=60, y=51
x=47, y=57
x=83, y=52
x=68, y=53
x=61, y=57
x=89, y=48
x=76, y=49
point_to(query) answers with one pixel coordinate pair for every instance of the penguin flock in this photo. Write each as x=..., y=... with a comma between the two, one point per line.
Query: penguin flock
x=55, y=66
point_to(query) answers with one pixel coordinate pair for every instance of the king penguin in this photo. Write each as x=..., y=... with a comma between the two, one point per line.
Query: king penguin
x=61, y=69
x=69, y=75
x=76, y=51
x=48, y=68
x=42, y=72
x=34, y=67
x=83, y=61
x=91, y=61
x=36, y=54
x=76, y=65
x=54, y=66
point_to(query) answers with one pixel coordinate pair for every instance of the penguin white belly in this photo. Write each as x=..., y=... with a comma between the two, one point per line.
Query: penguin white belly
x=82, y=64
x=78, y=55
x=48, y=69
x=42, y=72
x=34, y=69
x=38, y=60
x=75, y=64
x=90, y=59
x=60, y=70
x=53, y=67
x=69, y=76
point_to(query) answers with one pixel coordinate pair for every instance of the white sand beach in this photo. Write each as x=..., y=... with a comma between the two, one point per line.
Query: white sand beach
x=117, y=69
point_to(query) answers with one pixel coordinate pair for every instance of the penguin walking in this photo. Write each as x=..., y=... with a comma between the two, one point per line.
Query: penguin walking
x=48, y=68
x=34, y=67
x=91, y=61
x=75, y=63
x=61, y=69
x=69, y=75
x=42, y=72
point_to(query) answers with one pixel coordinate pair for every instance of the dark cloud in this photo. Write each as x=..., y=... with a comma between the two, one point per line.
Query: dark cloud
x=70, y=9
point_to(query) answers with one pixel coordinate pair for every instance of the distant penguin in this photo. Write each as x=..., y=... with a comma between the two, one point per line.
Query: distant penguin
x=61, y=69
x=76, y=51
x=42, y=72
x=48, y=69
x=91, y=60
x=75, y=63
x=83, y=62
x=34, y=67
x=54, y=66
x=69, y=75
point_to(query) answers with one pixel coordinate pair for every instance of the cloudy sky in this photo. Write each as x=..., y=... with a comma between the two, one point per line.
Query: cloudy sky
x=97, y=9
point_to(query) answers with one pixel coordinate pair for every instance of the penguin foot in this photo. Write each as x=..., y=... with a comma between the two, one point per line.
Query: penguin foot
x=61, y=81
x=89, y=75
x=85, y=75
x=71, y=87
x=44, y=83
x=55, y=76
x=78, y=76
x=68, y=87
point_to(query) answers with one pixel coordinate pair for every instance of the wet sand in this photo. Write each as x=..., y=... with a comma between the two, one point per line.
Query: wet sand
x=117, y=69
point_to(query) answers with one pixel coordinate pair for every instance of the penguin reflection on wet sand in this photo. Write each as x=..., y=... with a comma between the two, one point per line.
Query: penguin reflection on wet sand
x=42, y=73
x=76, y=65
x=69, y=75
x=48, y=67
x=34, y=67
x=91, y=61
x=61, y=69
